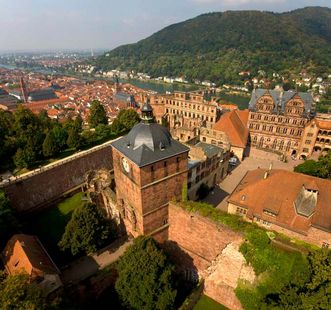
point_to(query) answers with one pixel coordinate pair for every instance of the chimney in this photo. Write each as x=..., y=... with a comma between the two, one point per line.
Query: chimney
x=265, y=175
x=270, y=166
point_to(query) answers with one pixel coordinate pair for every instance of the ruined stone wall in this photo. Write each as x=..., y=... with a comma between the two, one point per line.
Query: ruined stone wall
x=200, y=245
x=201, y=237
x=47, y=184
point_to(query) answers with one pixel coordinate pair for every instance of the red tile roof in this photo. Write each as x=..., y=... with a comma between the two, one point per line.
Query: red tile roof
x=26, y=253
x=233, y=123
x=278, y=192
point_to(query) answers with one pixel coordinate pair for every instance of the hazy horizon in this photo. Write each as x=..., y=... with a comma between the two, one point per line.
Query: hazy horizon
x=41, y=26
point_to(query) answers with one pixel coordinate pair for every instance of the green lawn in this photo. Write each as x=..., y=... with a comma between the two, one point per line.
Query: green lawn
x=49, y=224
x=206, y=303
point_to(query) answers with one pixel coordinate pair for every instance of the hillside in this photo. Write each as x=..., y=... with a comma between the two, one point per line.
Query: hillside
x=217, y=46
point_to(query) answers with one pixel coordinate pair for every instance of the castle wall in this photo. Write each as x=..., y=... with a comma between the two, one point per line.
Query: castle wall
x=200, y=246
x=44, y=185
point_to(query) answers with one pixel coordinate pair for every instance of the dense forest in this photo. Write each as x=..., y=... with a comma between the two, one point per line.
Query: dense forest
x=217, y=46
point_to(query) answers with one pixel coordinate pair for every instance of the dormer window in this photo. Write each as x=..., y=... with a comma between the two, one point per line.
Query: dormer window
x=306, y=200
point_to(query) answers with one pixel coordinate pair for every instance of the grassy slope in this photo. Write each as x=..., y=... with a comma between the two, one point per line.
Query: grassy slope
x=49, y=225
x=206, y=303
x=274, y=266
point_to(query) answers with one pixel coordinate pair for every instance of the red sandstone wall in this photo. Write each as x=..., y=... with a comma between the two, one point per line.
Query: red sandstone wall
x=194, y=242
x=42, y=188
x=202, y=238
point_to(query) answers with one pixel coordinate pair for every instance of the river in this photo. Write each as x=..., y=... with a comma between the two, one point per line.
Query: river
x=159, y=87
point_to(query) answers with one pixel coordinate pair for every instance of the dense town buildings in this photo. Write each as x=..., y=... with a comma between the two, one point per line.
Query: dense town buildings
x=63, y=96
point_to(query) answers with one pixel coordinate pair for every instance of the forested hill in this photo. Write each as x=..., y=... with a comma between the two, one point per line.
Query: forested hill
x=217, y=46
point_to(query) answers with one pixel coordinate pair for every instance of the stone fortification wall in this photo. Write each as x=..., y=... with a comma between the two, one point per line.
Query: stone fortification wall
x=203, y=247
x=40, y=187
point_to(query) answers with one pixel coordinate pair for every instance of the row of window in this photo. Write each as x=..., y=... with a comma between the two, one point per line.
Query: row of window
x=324, y=132
x=276, y=144
x=241, y=211
x=189, y=114
x=259, y=220
x=281, y=130
x=191, y=106
x=296, y=111
x=278, y=119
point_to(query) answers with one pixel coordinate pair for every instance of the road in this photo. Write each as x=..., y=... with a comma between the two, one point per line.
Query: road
x=89, y=265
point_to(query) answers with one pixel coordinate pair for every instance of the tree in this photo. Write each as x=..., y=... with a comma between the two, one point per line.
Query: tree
x=145, y=279
x=8, y=221
x=97, y=114
x=24, y=158
x=50, y=147
x=6, y=129
x=16, y=292
x=320, y=168
x=87, y=230
x=60, y=136
x=103, y=131
x=74, y=138
x=116, y=126
x=78, y=123
x=313, y=290
x=128, y=118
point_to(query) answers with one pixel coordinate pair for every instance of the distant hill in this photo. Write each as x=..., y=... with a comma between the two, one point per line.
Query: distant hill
x=217, y=46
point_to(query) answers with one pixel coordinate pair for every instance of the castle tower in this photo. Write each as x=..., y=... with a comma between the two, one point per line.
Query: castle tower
x=150, y=169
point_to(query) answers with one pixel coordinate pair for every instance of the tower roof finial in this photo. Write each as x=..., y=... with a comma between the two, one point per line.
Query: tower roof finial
x=147, y=112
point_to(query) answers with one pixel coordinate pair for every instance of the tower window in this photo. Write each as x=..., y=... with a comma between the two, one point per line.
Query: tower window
x=165, y=164
x=152, y=168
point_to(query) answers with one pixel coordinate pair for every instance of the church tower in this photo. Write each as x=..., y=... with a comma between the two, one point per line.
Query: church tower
x=150, y=169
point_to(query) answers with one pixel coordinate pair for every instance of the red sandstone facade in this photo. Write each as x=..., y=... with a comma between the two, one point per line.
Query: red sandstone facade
x=143, y=193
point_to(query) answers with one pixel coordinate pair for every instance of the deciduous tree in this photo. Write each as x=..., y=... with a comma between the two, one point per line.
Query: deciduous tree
x=16, y=292
x=145, y=278
x=128, y=118
x=97, y=114
x=87, y=230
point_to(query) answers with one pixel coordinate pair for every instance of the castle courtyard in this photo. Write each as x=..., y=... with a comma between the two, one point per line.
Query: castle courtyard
x=256, y=159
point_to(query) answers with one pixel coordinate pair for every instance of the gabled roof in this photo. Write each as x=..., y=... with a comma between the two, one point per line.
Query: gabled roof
x=233, y=123
x=278, y=193
x=280, y=98
x=25, y=252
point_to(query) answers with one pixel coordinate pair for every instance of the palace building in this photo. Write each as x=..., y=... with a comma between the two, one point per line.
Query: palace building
x=277, y=119
x=150, y=169
x=316, y=137
x=186, y=113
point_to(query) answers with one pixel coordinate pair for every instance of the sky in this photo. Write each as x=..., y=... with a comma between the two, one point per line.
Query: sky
x=85, y=24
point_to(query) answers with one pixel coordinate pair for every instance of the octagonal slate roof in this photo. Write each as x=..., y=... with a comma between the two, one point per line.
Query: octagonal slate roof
x=147, y=143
